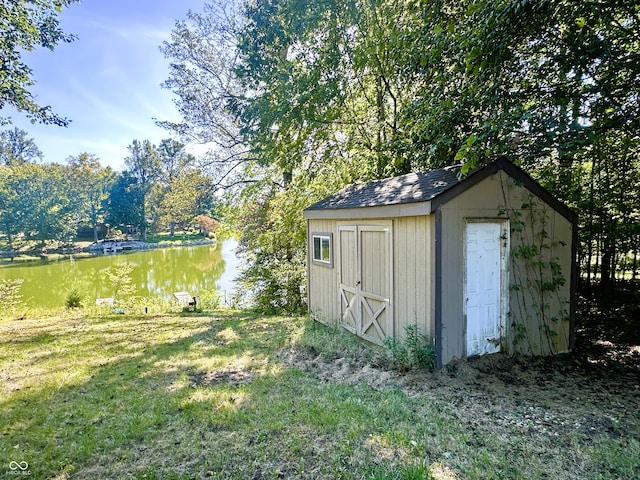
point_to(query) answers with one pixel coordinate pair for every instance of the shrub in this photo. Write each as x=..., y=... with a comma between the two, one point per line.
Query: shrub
x=74, y=299
x=415, y=351
x=209, y=299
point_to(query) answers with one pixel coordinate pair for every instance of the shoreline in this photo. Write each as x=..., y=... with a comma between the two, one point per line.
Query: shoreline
x=109, y=247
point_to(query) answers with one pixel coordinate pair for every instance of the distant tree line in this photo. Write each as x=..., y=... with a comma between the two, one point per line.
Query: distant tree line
x=161, y=188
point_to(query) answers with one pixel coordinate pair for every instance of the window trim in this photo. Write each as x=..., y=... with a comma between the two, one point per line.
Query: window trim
x=319, y=261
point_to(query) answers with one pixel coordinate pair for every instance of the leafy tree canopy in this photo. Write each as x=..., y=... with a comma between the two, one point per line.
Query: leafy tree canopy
x=25, y=25
x=17, y=148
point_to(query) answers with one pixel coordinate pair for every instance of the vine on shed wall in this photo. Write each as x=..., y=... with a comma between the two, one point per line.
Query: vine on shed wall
x=536, y=277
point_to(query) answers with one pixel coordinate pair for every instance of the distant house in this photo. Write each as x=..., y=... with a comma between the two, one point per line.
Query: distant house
x=482, y=264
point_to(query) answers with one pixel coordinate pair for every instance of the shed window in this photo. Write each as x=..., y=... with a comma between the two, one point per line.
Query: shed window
x=322, y=249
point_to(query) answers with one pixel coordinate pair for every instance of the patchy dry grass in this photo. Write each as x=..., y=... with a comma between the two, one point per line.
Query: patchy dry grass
x=236, y=396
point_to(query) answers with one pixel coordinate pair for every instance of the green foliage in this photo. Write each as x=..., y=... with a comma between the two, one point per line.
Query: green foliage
x=35, y=201
x=26, y=25
x=273, y=244
x=89, y=185
x=16, y=148
x=415, y=351
x=119, y=278
x=331, y=341
x=519, y=333
x=209, y=300
x=125, y=202
x=74, y=299
x=143, y=167
x=303, y=100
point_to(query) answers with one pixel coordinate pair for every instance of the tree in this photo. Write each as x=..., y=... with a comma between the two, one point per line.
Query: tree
x=176, y=197
x=143, y=166
x=203, y=54
x=550, y=84
x=125, y=205
x=9, y=216
x=206, y=224
x=328, y=93
x=34, y=200
x=26, y=24
x=17, y=148
x=187, y=197
x=90, y=184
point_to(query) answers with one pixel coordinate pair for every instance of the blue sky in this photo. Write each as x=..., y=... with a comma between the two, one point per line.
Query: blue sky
x=107, y=82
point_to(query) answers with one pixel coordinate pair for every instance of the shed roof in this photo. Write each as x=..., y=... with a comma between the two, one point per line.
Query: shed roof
x=436, y=187
x=409, y=188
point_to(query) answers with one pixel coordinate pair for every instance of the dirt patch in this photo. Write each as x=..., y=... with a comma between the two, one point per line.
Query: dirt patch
x=234, y=377
x=559, y=396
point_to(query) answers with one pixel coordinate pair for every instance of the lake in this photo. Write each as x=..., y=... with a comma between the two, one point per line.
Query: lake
x=155, y=273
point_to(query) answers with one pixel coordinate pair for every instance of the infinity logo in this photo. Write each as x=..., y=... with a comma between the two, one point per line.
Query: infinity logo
x=21, y=466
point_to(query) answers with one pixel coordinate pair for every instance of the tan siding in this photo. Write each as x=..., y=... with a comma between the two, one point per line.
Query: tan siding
x=499, y=197
x=412, y=269
x=542, y=312
x=347, y=257
x=347, y=275
x=563, y=236
x=374, y=264
x=322, y=288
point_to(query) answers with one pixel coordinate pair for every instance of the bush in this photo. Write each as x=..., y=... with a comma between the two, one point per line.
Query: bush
x=209, y=299
x=74, y=299
x=415, y=351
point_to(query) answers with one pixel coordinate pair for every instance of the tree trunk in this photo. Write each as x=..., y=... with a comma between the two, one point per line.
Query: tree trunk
x=608, y=260
x=94, y=219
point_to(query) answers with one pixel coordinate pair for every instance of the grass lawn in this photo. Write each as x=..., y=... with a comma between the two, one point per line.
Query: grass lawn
x=230, y=395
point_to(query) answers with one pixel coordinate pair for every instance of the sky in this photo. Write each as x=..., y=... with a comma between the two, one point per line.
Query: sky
x=108, y=81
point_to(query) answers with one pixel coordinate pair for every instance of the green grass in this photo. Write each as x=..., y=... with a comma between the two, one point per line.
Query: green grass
x=181, y=397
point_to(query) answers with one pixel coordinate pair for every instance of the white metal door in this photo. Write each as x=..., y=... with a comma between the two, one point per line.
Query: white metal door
x=483, y=287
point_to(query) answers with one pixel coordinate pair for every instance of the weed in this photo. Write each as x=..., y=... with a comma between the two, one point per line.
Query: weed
x=415, y=351
x=209, y=299
x=332, y=341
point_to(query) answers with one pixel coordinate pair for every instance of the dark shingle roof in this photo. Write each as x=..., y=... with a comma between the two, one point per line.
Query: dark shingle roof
x=409, y=188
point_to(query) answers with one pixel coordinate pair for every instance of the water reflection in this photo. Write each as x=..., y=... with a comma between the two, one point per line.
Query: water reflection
x=155, y=273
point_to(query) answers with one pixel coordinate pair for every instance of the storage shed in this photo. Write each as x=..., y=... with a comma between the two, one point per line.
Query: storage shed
x=480, y=264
